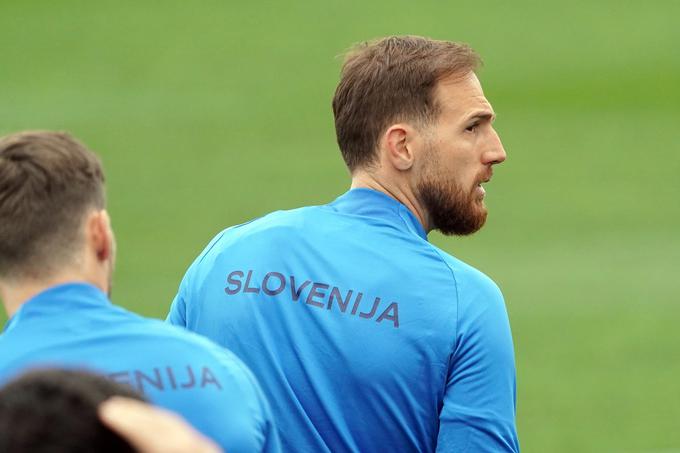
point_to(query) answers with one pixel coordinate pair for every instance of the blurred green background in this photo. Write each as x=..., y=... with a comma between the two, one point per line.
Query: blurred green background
x=210, y=113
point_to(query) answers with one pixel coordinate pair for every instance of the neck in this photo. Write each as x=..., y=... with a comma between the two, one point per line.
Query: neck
x=17, y=292
x=404, y=195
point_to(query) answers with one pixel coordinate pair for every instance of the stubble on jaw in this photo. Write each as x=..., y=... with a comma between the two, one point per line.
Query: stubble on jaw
x=452, y=209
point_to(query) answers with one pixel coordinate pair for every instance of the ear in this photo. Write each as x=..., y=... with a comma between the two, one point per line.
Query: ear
x=99, y=235
x=398, y=144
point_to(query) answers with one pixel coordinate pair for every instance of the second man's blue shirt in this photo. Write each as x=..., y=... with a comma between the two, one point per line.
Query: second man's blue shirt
x=75, y=325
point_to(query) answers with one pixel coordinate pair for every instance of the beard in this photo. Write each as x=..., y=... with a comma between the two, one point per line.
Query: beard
x=452, y=209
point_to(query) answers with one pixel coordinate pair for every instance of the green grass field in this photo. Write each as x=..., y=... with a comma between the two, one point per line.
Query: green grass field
x=210, y=113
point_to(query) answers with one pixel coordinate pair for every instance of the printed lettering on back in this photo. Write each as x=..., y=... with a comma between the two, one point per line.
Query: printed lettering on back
x=168, y=378
x=314, y=294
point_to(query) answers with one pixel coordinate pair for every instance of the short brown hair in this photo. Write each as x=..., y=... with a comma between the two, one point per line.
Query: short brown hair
x=48, y=182
x=389, y=80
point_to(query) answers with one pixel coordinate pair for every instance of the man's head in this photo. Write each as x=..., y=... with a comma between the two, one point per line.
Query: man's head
x=56, y=411
x=411, y=113
x=52, y=208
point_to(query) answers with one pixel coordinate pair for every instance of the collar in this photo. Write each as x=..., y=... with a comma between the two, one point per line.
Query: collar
x=62, y=300
x=376, y=204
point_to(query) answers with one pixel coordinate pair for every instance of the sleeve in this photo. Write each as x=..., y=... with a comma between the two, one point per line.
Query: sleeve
x=178, y=309
x=478, y=414
x=177, y=314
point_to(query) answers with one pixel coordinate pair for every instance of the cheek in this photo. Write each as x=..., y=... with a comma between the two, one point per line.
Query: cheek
x=467, y=168
x=459, y=153
x=458, y=168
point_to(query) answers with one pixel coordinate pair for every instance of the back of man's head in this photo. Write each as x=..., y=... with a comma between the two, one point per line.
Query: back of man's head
x=48, y=183
x=55, y=411
x=392, y=80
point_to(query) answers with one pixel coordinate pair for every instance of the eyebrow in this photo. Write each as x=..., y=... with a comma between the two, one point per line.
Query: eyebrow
x=484, y=115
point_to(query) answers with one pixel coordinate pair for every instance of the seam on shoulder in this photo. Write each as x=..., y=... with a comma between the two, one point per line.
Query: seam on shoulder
x=218, y=236
x=213, y=243
x=455, y=284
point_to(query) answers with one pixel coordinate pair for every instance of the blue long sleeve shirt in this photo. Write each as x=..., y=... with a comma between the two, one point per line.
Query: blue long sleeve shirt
x=365, y=337
x=75, y=326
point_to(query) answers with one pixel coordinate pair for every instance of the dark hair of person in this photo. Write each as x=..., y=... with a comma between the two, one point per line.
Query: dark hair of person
x=55, y=411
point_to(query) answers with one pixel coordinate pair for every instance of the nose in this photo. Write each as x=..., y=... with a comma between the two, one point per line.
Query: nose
x=495, y=153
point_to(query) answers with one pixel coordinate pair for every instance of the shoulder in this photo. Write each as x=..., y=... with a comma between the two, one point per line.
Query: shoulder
x=178, y=339
x=229, y=369
x=471, y=283
x=182, y=343
x=277, y=219
x=283, y=221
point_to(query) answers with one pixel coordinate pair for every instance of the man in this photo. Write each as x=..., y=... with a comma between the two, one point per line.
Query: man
x=56, y=260
x=69, y=411
x=56, y=411
x=365, y=336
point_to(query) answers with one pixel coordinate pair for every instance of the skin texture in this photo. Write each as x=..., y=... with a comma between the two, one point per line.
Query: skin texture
x=153, y=430
x=435, y=169
x=93, y=263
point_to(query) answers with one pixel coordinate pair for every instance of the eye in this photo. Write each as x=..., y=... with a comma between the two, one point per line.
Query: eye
x=472, y=127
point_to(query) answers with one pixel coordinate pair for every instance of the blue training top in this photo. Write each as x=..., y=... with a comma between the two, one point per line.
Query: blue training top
x=364, y=336
x=75, y=325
